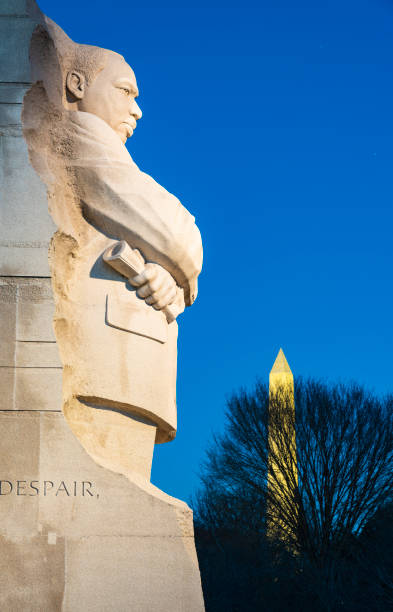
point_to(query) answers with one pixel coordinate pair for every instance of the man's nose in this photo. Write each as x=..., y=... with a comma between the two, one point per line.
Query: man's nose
x=135, y=110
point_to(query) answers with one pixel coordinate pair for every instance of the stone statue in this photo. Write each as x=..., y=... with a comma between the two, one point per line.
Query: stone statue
x=88, y=338
x=117, y=337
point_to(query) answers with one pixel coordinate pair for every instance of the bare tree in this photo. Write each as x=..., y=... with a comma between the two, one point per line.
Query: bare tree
x=318, y=490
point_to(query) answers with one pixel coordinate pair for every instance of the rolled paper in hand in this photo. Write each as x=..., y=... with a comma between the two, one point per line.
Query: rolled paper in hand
x=129, y=263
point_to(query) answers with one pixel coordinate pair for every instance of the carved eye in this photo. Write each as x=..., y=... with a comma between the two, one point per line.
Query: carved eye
x=127, y=91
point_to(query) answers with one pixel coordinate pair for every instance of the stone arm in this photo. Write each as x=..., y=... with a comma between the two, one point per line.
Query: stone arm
x=126, y=204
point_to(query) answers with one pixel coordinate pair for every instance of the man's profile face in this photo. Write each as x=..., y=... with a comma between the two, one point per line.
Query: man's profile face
x=111, y=96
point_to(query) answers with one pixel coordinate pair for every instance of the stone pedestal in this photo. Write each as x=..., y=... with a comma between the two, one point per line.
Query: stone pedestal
x=77, y=537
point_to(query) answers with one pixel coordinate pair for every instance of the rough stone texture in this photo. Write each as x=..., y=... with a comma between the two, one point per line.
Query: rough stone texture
x=108, y=545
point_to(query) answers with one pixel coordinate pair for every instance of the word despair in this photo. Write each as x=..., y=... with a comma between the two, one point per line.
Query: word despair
x=45, y=488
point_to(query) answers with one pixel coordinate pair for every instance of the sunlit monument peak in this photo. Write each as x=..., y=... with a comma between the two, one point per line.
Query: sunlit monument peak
x=280, y=374
x=281, y=364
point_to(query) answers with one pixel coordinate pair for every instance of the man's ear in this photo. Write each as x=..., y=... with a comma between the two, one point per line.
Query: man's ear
x=76, y=84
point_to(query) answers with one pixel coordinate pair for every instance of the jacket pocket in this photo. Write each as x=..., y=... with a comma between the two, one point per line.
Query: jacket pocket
x=142, y=320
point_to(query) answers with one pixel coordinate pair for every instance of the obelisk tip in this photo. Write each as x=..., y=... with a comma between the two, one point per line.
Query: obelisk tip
x=281, y=364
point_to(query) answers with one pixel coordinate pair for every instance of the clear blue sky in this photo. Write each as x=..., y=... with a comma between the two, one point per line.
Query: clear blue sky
x=273, y=124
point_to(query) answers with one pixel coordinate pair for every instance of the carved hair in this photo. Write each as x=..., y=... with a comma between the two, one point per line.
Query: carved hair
x=88, y=60
x=53, y=55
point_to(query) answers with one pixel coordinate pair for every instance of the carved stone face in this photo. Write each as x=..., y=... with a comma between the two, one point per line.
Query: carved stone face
x=111, y=95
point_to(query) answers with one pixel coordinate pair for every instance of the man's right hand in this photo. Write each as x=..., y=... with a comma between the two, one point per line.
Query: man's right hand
x=155, y=285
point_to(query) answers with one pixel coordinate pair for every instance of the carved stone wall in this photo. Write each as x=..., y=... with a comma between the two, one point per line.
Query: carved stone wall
x=30, y=369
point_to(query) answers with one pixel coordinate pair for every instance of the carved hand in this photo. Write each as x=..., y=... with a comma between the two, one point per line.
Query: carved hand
x=156, y=286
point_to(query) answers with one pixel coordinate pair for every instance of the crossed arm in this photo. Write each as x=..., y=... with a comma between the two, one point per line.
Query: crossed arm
x=127, y=204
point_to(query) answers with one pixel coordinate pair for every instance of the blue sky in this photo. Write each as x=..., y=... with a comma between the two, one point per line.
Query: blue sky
x=273, y=124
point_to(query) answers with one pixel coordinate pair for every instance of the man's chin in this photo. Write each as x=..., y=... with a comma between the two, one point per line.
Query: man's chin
x=125, y=132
